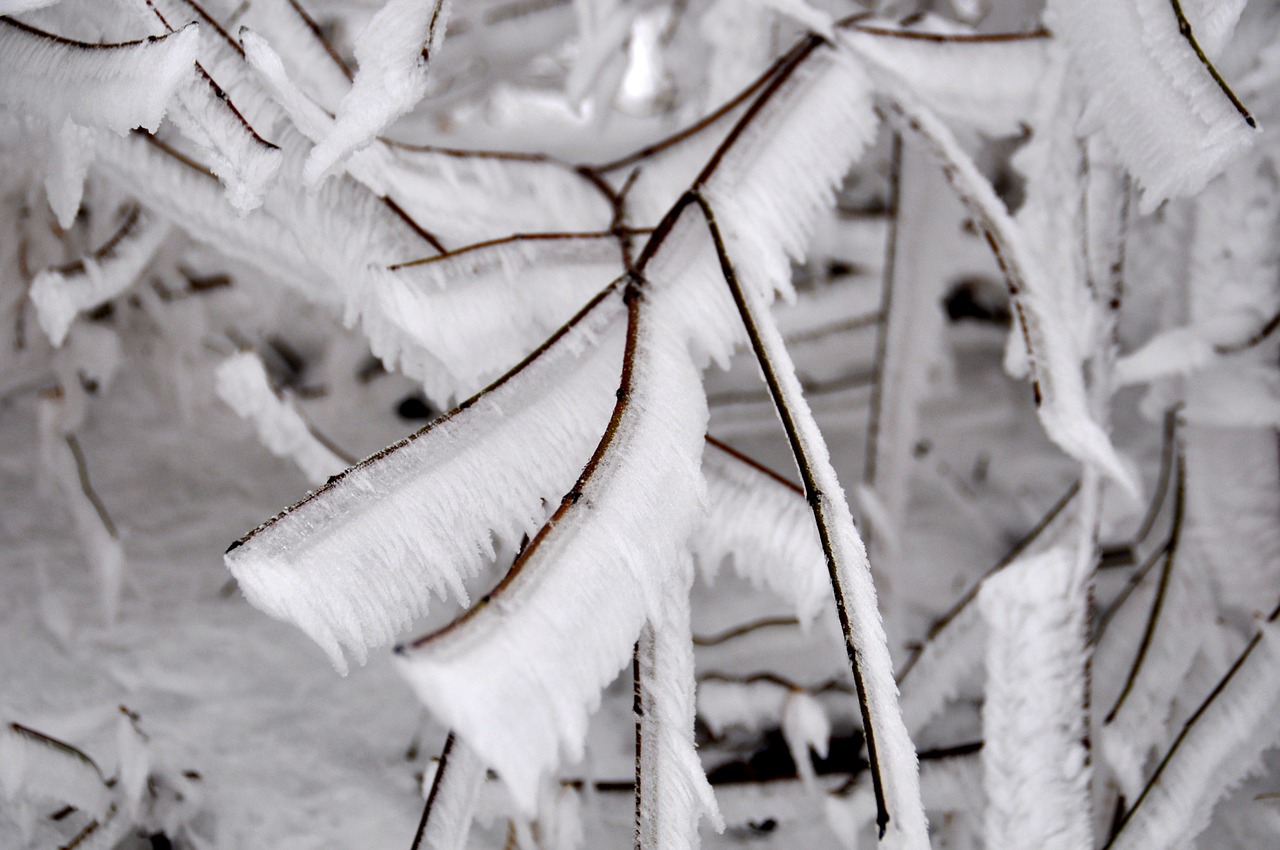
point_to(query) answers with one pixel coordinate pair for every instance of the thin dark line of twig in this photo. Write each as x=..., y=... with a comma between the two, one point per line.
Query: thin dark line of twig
x=435, y=791
x=745, y=628
x=1184, y=27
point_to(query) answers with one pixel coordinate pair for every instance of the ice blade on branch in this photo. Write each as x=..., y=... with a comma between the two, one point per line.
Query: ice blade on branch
x=1152, y=93
x=892, y=756
x=355, y=562
x=477, y=311
x=116, y=86
x=763, y=527
x=393, y=55
x=36, y=767
x=1034, y=762
x=310, y=60
x=241, y=381
x=519, y=674
x=781, y=164
x=64, y=293
x=451, y=805
x=674, y=793
x=1220, y=744
x=1056, y=365
x=983, y=82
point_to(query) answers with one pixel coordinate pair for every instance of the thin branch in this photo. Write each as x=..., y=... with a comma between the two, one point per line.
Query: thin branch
x=871, y=452
x=512, y=239
x=82, y=470
x=1256, y=338
x=435, y=791
x=1184, y=27
x=743, y=629
x=830, y=685
x=818, y=501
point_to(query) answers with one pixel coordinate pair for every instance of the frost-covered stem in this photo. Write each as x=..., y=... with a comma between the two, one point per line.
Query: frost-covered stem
x=882, y=327
x=86, y=485
x=637, y=709
x=1012, y=555
x=441, y=771
x=1169, y=554
x=744, y=629
x=1184, y=27
x=1171, y=754
x=882, y=724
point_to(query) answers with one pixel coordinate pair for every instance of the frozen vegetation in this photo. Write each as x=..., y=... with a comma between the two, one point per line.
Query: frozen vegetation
x=785, y=423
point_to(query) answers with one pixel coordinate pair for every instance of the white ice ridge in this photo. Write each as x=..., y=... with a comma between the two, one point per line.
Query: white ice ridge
x=1035, y=766
x=784, y=169
x=354, y=563
x=987, y=85
x=118, y=87
x=61, y=294
x=478, y=312
x=519, y=676
x=674, y=791
x=393, y=54
x=38, y=768
x=241, y=381
x=1149, y=94
x=453, y=797
x=1221, y=744
x=764, y=528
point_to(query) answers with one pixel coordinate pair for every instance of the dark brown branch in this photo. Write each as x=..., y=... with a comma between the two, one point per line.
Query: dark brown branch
x=107, y=249
x=82, y=470
x=817, y=500
x=1184, y=27
x=745, y=628
x=828, y=686
x=1255, y=339
x=435, y=791
x=513, y=238
x=319, y=34
x=71, y=42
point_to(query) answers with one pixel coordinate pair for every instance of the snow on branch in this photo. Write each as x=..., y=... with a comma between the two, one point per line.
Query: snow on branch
x=241, y=381
x=116, y=86
x=63, y=293
x=763, y=527
x=1152, y=92
x=1034, y=762
x=1220, y=744
x=519, y=674
x=355, y=562
x=458, y=320
x=450, y=808
x=36, y=767
x=674, y=792
x=393, y=54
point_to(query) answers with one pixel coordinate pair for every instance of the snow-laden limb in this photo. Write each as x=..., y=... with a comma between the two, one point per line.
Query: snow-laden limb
x=116, y=86
x=133, y=764
x=64, y=465
x=892, y=755
x=39, y=768
x=764, y=528
x=241, y=381
x=61, y=294
x=1055, y=361
x=1221, y=744
x=191, y=198
x=1171, y=121
x=457, y=321
x=785, y=162
x=754, y=706
x=309, y=58
x=71, y=152
x=393, y=54
x=520, y=673
x=205, y=113
x=14, y=7
x=355, y=562
x=984, y=83
x=674, y=792
x=461, y=197
x=451, y=805
x=1138, y=722
x=1035, y=766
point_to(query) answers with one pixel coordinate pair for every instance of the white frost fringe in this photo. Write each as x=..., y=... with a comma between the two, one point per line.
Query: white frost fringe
x=453, y=798
x=38, y=768
x=392, y=53
x=353, y=565
x=1149, y=95
x=765, y=530
x=519, y=676
x=116, y=87
x=241, y=381
x=674, y=792
x=1221, y=745
x=1034, y=762
x=62, y=294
